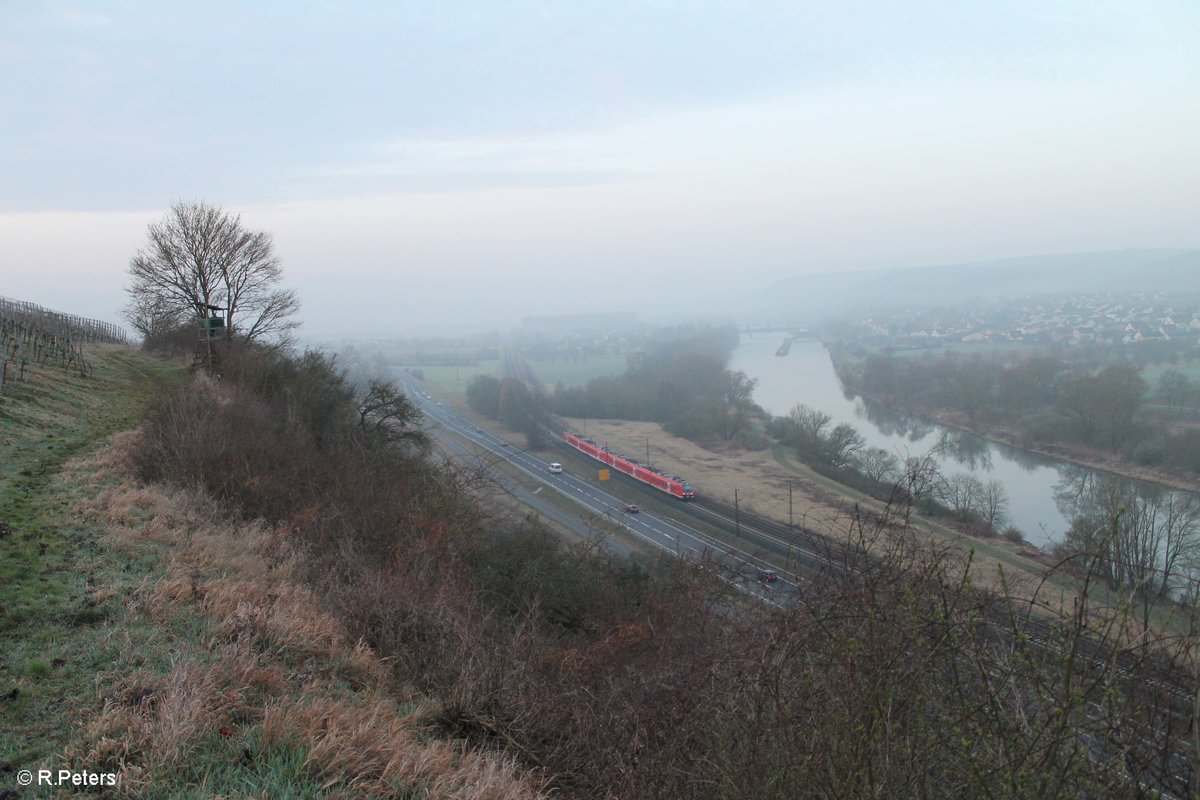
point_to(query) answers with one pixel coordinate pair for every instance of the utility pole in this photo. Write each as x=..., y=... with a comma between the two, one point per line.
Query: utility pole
x=647, y=451
x=790, y=505
x=737, y=514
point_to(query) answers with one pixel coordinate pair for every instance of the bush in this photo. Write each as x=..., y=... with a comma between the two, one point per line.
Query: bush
x=1184, y=451
x=179, y=340
x=1013, y=534
x=1044, y=426
x=1150, y=453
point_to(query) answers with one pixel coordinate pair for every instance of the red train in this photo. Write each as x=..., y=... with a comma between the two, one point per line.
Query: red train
x=671, y=484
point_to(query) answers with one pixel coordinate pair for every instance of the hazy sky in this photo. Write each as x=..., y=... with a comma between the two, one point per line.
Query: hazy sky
x=419, y=162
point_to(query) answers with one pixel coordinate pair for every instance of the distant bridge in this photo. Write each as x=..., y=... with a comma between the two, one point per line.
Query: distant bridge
x=796, y=329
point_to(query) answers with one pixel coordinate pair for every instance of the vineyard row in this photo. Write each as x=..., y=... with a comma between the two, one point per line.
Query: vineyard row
x=31, y=334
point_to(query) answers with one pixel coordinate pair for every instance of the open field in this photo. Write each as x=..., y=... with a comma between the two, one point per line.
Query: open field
x=577, y=373
x=450, y=383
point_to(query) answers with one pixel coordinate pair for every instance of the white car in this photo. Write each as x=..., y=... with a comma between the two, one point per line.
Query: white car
x=555, y=467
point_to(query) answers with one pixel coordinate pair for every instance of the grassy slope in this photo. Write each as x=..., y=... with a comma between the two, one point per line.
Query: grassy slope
x=49, y=562
x=144, y=632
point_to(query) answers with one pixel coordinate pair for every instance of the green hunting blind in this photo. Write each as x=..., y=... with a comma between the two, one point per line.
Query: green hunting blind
x=212, y=324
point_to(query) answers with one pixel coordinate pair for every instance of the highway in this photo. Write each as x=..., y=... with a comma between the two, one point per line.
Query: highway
x=739, y=568
x=1172, y=778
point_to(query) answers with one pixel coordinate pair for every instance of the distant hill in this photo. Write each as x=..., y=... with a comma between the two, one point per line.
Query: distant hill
x=1067, y=273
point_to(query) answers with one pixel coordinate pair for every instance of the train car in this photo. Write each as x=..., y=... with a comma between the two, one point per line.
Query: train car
x=671, y=484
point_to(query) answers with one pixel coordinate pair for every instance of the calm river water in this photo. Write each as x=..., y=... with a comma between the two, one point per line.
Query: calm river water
x=1040, y=489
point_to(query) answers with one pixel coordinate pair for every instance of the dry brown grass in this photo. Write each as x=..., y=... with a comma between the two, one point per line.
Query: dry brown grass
x=382, y=752
x=267, y=663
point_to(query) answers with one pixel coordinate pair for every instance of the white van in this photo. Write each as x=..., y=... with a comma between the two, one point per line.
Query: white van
x=555, y=466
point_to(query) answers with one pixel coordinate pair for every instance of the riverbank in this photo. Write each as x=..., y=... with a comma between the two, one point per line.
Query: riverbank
x=1079, y=455
x=1004, y=434
x=1075, y=454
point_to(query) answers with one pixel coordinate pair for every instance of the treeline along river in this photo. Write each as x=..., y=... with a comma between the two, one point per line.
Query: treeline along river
x=1044, y=493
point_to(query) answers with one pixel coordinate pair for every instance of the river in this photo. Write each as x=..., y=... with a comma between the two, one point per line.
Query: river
x=1040, y=489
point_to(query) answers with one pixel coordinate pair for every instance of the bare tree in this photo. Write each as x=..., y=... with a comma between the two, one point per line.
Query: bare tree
x=1180, y=530
x=842, y=445
x=809, y=423
x=737, y=399
x=920, y=478
x=1174, y=387
x=200, y=256
x=152, y=315
x=1146, y=539
x=878, y=464
x=386, y=413
x=963, y=493
x=993, y=504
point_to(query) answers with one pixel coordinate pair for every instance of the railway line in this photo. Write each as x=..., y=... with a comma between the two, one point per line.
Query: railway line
x=1156, y=745
x=800, y=546
x=1154, y=738
x=735, y=565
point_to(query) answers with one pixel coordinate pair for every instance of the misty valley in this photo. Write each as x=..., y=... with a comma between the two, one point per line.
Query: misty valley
x=637, y=400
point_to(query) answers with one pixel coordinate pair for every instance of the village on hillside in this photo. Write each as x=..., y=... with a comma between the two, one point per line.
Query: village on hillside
x=1077, y=320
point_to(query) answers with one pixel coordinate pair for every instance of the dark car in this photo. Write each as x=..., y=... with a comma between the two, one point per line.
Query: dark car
x=632, y=508
x=767, y=576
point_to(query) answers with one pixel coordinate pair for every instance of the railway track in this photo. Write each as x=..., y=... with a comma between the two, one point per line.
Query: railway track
x=1158, y=745
x=795, y=543
x=800, y=546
